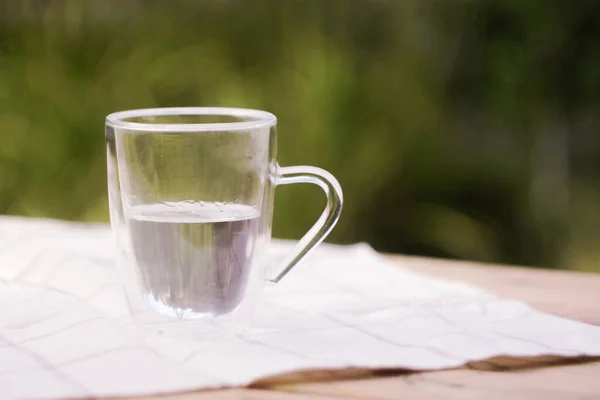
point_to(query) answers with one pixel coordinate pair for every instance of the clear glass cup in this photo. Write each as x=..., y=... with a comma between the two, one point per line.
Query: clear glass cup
x=191, y=195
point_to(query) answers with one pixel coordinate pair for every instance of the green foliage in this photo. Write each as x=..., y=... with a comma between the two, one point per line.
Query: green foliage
x=462, y=129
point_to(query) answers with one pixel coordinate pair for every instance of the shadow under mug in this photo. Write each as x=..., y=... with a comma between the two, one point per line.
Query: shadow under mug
x=191, y=194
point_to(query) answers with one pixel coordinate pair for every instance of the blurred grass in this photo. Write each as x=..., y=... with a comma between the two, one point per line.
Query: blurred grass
x=458, y=129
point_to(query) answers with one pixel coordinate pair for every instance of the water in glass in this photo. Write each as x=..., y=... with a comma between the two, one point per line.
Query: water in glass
x=193, y=258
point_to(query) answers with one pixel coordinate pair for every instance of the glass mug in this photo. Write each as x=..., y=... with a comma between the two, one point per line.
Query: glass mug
x=191, y=195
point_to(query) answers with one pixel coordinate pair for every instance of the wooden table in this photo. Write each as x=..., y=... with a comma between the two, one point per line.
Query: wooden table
x=569, y=294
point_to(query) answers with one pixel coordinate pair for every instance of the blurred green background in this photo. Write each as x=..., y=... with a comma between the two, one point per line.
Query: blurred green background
x=463, y=129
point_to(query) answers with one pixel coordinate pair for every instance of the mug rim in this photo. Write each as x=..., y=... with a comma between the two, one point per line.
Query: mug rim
x=257, y=119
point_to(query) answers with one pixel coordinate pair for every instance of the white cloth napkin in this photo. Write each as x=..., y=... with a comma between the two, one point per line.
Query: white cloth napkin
x=65, y=329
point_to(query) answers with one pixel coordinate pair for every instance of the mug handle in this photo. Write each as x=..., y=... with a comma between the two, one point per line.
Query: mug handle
x=325, y=223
